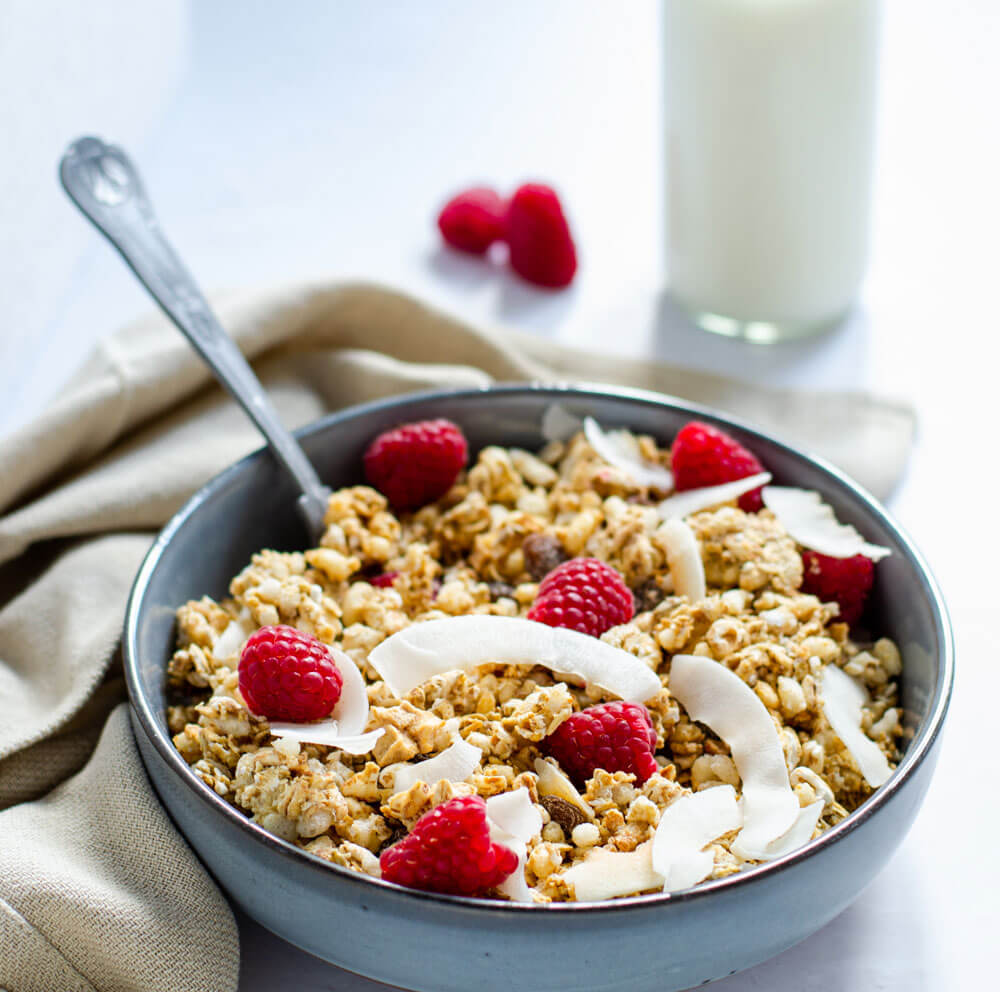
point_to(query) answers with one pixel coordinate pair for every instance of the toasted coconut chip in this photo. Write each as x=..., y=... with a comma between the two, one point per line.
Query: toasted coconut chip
x=714, y=695
x=514, y=820
x=686, y=826
x=606, y=874
x=843, y=698
x=692, y=500
x=344, y=729
x=621, y=449
x=684, y=559
x=799, y=833
x=558, y=424
x=814, y=525
x=414, y=655
x=455, y=763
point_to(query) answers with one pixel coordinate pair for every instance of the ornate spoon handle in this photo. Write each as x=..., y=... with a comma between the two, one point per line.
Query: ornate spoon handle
x=102, y=181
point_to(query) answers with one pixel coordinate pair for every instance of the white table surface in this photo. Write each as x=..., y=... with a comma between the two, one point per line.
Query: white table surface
x=319, y=138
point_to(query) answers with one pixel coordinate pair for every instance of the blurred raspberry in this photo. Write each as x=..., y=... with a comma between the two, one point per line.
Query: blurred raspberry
x=845, y=581
x=415, y=464
x=285, y=674
x=583, y=594
x=541, y=246
x=449, y=850
x=703, y=455
x=617, y=737
x=473, y=220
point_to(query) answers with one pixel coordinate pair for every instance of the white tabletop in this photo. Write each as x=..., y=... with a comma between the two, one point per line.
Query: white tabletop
x=318, y=139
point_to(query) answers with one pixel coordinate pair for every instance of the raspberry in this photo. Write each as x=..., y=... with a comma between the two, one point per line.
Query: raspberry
x=703, y=455
x=473, y=220
x=449, y=850
x=287, y=675
x=583, y=594
x=541, y=246
x=617, y=737
x=416, y=463
x=845, y=581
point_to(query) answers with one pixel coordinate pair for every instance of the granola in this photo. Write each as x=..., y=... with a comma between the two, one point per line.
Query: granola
x=481, y=550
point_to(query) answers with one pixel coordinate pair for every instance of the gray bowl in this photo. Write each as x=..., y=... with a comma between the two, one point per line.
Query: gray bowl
x=450, y=944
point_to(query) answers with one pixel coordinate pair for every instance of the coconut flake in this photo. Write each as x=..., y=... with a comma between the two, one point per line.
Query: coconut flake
x=813, y=524
x=796, y=836
x=552, y=782
x=455, y=763
x=558, y=424
x=843, y=698
x=692, y=500
x=515, y=813
x=328, y=734
x=419, y=652
x=714, y=695
x=232, y=639
x=684, y=559
x=513, y=820
x=606, y=874
x=621, y=449
x=686, y=826
x=344, y=728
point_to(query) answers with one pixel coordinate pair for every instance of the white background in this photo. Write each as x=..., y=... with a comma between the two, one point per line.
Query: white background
x=318, y=139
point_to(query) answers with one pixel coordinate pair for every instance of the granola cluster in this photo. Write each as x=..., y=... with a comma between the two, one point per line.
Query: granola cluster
x=482, y=549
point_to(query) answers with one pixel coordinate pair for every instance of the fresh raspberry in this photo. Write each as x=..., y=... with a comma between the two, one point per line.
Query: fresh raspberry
x=583, y=594
x=541, y=246
x=703, y=455
x=285, y=674
x=473, y=220
x=449, y=850
x=416, y=463
x=617, y=737
x=846, y=581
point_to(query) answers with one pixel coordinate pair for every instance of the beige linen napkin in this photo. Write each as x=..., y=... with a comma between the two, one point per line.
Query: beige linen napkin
x=97, y=890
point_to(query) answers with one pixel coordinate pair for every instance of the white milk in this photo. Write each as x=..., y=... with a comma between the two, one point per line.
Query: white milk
x=770, y=109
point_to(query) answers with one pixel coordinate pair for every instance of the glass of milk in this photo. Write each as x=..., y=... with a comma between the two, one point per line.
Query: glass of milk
x=770, y=132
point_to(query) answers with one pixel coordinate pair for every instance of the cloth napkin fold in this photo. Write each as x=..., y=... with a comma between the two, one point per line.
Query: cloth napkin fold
x=97, y=889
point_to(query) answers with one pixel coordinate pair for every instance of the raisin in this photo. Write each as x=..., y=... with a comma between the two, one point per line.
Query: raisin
x=542, y=553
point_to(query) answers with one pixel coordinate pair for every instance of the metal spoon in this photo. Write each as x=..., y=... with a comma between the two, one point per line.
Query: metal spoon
x=102, y=181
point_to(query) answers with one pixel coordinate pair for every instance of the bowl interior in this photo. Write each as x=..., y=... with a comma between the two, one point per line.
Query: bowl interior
x=251, y=506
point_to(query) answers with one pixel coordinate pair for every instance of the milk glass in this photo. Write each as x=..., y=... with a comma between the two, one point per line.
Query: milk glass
x=770, y=133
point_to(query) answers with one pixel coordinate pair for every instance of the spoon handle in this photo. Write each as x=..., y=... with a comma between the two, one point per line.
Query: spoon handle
x=102, y=181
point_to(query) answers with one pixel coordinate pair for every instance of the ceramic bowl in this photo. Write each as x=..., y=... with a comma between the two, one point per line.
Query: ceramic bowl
x=424, y=941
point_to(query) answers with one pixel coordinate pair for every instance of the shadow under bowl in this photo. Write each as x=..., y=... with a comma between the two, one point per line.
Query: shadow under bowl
x=424, y=941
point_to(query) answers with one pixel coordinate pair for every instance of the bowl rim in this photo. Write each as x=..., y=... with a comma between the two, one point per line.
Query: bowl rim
x=918, y=750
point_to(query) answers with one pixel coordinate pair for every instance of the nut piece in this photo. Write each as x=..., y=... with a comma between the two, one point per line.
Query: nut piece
x=586, y=835
x=564, y=813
